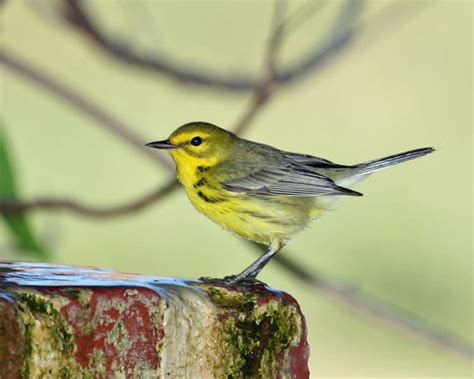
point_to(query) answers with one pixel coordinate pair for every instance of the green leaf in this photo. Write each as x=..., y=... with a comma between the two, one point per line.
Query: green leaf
x=17, y=223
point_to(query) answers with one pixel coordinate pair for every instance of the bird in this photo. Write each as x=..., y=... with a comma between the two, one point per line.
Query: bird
x=257, y=191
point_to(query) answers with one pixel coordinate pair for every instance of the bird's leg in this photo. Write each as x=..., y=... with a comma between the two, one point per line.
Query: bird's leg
x=249, y=275
x=251, y=272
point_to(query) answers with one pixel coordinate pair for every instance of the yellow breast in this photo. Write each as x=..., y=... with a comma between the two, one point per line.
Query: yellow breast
x=259, y=218
x=251, y=217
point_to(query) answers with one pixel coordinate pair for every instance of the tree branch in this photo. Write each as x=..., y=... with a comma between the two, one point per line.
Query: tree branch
x=76, y=16
x=58, y=204
x=122, y=131
x=262, y=92
x=80, y=103
x=351, y=297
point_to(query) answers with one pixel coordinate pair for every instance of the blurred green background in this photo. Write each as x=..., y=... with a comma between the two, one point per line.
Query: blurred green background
x=404, y=82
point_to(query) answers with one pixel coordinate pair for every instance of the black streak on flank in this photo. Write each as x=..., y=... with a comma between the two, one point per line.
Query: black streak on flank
x=200, y=183
x=210, y=199
x=202, y=169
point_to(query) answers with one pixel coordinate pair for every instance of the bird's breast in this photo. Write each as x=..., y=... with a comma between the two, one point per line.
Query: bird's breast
x=261, y=219
x=202, y=189
x=258, y=218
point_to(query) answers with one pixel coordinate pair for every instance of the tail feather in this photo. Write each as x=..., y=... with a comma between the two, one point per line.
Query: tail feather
x=353, y=175
x=379, y=164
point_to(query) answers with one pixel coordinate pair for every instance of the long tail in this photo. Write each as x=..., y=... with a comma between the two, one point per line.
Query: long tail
x=379, y=164
x=358, y=172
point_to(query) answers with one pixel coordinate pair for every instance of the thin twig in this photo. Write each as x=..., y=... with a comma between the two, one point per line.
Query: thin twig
x=104, y=119
x=80, y=103
x=263, y=91
x=76, y=16
x=58, y=204
x=352, y=297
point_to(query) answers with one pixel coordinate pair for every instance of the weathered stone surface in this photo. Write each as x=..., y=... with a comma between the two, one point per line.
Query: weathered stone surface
x=70, y=322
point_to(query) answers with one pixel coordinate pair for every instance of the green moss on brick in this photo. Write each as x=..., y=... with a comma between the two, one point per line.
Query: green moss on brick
x=255, y=336
x=61, y=337
x=46, y=335
x=82, y=295
x=97, y=362
x=25, y=369
x=118, y=336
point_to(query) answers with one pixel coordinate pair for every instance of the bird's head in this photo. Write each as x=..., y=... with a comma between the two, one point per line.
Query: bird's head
x=198, y=143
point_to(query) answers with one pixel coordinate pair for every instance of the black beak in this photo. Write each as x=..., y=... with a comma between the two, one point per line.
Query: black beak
x=165, y=144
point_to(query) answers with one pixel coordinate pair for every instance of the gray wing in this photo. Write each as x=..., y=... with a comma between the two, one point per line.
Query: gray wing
x=314, y=162
x=289, y=179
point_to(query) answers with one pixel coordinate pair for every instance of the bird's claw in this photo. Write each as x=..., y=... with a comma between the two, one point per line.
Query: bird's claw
x=232, y=280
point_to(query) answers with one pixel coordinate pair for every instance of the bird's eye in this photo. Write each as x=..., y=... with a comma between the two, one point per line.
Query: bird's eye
x=196, y=141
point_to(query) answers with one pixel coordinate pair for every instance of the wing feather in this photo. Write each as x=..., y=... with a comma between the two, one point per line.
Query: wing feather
x=311, y=161
x=286, y=178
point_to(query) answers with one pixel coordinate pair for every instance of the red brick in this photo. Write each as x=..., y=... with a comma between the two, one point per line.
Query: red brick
x=61, y=321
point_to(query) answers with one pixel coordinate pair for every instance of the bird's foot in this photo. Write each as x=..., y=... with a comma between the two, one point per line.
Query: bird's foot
x=233, y=280
x=241, y=280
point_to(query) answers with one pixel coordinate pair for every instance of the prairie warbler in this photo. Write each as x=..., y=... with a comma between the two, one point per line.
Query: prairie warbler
x=259, y=192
